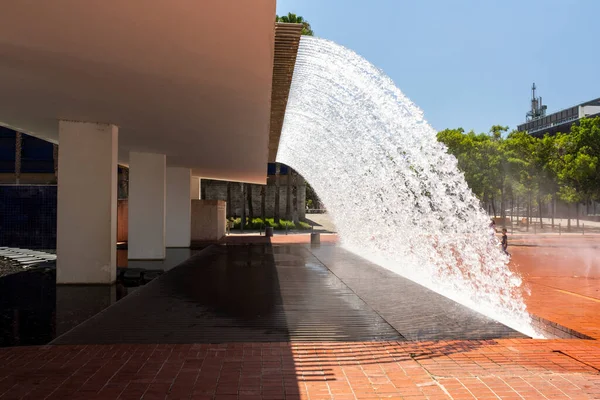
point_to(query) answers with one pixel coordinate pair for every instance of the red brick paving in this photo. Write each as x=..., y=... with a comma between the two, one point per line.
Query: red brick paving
x=562, y=280
x=507, y=369
x=563, y=275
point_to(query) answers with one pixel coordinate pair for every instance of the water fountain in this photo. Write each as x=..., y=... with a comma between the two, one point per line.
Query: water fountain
x=396, y=196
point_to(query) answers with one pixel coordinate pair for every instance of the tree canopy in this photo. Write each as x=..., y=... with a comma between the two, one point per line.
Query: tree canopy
x=296, y=19
x=536, y=170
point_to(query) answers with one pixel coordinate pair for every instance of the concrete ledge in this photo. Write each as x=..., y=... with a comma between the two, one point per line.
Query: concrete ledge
x=556, y=330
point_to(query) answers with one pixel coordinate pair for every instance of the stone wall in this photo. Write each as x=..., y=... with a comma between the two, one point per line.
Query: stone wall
x=217, y=190
x=208, y=220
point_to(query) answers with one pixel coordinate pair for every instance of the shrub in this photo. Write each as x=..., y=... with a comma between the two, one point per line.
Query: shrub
x=258, y=223
x=271, y=222
x=304, y=226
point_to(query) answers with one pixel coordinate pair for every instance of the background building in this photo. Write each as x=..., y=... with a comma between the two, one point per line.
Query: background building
x=538, y=123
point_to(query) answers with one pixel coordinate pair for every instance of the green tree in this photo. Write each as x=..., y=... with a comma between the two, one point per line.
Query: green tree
x=521, y=149
x=576, y=163
x=296, y=19
x=520, y=166
x=481, y=158
x=547, y=179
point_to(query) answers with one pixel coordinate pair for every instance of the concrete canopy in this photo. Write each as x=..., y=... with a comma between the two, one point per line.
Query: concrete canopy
x=189, y=79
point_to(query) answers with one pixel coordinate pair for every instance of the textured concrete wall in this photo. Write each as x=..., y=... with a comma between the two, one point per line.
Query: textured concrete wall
x=217, y=190
x=208, y=220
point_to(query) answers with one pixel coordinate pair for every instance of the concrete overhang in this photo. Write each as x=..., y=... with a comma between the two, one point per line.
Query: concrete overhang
x=189, y=79
x=287, y=40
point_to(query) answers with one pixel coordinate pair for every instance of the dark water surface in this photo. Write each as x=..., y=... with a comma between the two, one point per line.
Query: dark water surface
x=236, y=293
x=33, y=310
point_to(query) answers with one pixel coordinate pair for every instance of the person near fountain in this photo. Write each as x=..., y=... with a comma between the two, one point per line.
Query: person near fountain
x=504, y=242
x=492, y=230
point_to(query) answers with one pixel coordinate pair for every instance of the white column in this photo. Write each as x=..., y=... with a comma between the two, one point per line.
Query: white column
x=147, y=206
x=179, y=207
x=87, y=203
x=195, y=188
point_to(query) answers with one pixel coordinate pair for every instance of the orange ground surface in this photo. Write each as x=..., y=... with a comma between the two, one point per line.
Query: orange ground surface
x=562, y=275
x=503, y=369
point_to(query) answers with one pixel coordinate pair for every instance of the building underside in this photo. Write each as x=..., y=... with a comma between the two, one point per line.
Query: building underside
x=174, y=92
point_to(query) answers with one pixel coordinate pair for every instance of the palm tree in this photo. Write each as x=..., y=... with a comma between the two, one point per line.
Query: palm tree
x=18, y=151
x=263, y=202
x=276, y=211
x=288, y=196
x=295, y=215
x=55, y=160
x=296, y=19
x=228, y=212
x=243, y=216
x=249, y=197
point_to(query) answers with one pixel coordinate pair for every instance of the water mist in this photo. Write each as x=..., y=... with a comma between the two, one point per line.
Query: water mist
x=395, y=195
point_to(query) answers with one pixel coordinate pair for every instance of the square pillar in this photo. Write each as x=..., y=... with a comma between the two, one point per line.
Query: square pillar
x=179, y=207
x=87, y=203
x=195, y=188
x=147, y=206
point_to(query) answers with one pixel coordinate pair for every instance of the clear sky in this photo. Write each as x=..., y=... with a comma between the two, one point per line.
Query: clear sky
x=470, y=63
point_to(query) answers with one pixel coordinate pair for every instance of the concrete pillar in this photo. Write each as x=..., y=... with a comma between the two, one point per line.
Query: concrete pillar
x=195, y=188
x=87, y=203
x=147, y=206
x=179, y=207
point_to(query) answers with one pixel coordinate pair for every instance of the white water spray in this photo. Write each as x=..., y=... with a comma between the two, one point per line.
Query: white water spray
x=396, y=196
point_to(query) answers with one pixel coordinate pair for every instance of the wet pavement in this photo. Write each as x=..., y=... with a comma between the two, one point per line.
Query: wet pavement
x=278, y=293
x=34, y=310
x=564, y=287
x=414, y=311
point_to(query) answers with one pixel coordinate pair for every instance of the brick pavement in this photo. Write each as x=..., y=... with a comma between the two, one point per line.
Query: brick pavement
x=562, y=280
x=564, y=284
x=505, y=369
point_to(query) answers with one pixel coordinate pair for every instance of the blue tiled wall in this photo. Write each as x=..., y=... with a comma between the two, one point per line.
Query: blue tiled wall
x=37, y=155
x=283, y=170
x=28, y=216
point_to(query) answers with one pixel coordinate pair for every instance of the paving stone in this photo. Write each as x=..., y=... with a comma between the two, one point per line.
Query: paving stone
x=505, y=369
x=416, y=312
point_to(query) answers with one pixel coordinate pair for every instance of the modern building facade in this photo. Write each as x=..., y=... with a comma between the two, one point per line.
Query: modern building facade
x=562, y=120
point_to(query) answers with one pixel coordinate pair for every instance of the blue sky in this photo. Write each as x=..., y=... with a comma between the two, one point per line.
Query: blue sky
x=470, y=63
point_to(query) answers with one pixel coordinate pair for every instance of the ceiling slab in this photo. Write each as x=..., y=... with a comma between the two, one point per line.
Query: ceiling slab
x=189, y=79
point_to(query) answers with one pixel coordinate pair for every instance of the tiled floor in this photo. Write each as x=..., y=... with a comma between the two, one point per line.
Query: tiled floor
x=563, y=278
x=504, y=369
x=272, y=293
